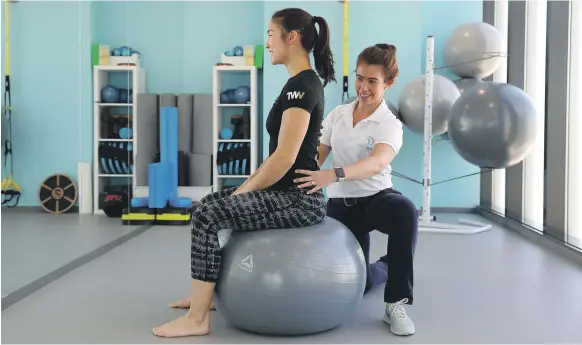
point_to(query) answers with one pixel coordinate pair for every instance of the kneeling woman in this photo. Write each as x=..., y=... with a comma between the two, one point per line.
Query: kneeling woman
x=364, y=137
x=268, y=199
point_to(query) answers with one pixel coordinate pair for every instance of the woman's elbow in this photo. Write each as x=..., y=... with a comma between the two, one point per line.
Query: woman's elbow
x=286, y=159
x=380, y=165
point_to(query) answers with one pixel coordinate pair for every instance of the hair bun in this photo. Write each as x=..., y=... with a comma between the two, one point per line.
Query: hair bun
x=391, y=48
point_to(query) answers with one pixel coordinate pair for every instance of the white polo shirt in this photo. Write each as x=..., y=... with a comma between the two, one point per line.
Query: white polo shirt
x=350, y=144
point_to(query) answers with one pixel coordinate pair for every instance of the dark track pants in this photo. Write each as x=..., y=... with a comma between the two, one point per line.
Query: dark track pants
x=395, y=215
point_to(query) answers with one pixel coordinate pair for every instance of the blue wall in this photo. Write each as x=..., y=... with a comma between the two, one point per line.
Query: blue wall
x=178, y=41
x=52, y=96
x=404, y=24
x=51, y=91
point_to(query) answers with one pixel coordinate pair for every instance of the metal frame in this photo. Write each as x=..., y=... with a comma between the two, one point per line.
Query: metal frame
x=516, y=41
x=557, y=99
x=557, y=129
x=426, y=223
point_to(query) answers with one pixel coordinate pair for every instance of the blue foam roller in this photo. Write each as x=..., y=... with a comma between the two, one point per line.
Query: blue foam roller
x=181, y=202
x=158, y=185
x=169, y=142
x=139, y=201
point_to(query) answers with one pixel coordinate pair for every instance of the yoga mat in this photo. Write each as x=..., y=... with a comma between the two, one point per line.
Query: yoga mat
x=200, y=171
x=185, y=109
x=202, y=124
x=147, y=127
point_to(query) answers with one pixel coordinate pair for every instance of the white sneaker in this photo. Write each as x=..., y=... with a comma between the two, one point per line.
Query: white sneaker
x=395, y=316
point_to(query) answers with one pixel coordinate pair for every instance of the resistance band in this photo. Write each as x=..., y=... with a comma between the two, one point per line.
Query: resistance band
x=10, y=188
x=345, y=94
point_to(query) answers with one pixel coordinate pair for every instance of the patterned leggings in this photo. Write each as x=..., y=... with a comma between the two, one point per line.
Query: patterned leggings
x=258, y=210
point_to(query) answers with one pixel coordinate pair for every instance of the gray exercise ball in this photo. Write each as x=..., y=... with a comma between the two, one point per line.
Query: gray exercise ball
x=473, y=49
x=466, y=83
x=391, y=106
x=493, y=125
x=290, y=281
x=411, y=103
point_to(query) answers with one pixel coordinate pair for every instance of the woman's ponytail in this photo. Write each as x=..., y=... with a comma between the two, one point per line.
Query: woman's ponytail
x=324, y=64
x=312, y=41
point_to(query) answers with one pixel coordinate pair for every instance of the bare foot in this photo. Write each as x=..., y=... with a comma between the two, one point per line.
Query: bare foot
x=184, y=303
x=184, y=326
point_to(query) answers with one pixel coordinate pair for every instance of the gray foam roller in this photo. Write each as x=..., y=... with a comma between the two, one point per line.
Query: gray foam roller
x=147, y=129
x=185, y=109
x=168, y=100
x=290, y=282
x=202, y=124
x=200, y=169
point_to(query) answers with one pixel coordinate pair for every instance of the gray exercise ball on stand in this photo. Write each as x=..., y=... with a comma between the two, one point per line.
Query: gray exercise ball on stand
x=290, y=281
x=391, y=106
x=474, y=50
x=493, y=125
x=466, y=83
x=411, y=103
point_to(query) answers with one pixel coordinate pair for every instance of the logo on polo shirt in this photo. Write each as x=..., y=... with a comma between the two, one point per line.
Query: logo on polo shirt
x=295, y=95
x=370, y=143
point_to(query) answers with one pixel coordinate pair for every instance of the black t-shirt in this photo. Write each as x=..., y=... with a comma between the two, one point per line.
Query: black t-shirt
x=305, y=91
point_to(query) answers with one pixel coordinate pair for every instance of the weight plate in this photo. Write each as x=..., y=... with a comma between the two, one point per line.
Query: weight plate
x=57, y=194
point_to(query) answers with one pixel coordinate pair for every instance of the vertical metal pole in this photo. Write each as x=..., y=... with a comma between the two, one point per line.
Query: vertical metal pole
x=428, y=128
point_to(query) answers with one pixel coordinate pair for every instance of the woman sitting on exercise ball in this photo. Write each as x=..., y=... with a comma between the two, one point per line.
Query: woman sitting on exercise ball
x=269, y=199
x=364, y=137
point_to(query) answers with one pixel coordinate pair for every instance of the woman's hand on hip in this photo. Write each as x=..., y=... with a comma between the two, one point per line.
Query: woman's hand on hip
x=315, y=180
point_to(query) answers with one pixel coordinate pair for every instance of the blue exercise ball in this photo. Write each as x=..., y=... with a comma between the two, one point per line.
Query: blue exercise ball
x=242, y=94
x=238, y=51
x=224, y=99
x=123, y=95
x=110, y=94
x=227, y=96
x=226, y=133
x=125, y=51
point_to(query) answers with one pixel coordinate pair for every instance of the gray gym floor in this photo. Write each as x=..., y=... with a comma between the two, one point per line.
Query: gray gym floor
x=36, y=244
x=493, y=287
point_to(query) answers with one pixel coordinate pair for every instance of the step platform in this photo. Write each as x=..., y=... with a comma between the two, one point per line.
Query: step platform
x=138, y=216
x=174, y=216
x=164, y=216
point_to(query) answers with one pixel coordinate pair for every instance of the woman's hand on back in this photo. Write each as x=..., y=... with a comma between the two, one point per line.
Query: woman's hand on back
x=315, y=180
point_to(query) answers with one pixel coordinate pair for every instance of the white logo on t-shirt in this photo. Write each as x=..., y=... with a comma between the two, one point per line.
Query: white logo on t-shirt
x=295, y=95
